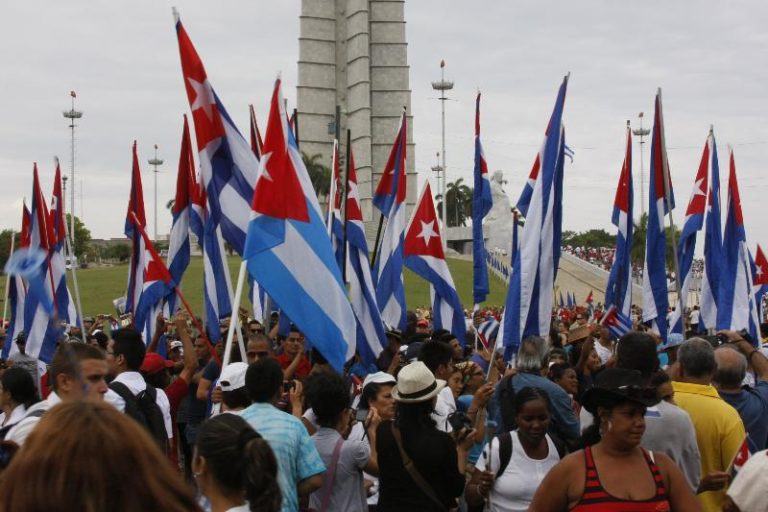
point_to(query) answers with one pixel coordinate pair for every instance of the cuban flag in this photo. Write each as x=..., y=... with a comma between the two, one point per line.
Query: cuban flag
x=288, y=250
x=178, y=245
x=371, y=338
x=618, y=290
x=335, y=220
x=713, y=248
x=40, y=308
x=694, y=221
x=64, y=301
x=736, y=306
x=571, y=299
x=157, y=284
x=760, y=280
x=17, y=293
x=135, y=221
x=390, y=200
x=424, y=255
x=481, y=205
x=561, y=302
x=618, y=324
x=530, y=294
x=655, y=299
x=487, y=332
x=227, y=163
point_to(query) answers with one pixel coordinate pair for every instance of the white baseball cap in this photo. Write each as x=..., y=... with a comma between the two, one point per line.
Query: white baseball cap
x=233, y=376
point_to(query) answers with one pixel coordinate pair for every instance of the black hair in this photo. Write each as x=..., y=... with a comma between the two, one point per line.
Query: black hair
x=591, y=435
x=529, y=394
x=557, y=371
x=19, y=383
x=316, y=357
x=128, y=343
x=236, y=399
x=433, y=354
x=328, y=396
x=240, y=460
x=370, y=392
x=101, y=339
x=263, y=380
x=637, y=351
x=659, y=378
x=414, y=416
x=440, y=335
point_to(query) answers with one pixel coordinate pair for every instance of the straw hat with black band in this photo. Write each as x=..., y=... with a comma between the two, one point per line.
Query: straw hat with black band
x=415, y=383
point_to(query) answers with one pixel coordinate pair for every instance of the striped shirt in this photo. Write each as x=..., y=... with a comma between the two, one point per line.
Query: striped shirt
x=297, y=457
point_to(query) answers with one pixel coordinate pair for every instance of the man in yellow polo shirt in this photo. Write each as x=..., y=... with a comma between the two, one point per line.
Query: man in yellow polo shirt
x=719, y=429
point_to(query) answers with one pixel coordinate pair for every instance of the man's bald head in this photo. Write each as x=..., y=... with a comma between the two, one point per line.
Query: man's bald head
x=731, y=368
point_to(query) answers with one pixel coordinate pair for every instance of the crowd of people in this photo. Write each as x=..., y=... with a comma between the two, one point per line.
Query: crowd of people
x=577, y=420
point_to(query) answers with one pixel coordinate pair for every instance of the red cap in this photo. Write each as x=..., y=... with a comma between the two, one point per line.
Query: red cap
x=154, y=363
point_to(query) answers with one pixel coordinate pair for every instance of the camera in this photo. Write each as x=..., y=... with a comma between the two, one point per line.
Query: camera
x=459, y=420
x=716, y=340
x=361, y=415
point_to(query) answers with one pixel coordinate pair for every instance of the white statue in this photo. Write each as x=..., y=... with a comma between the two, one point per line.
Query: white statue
x=497, y=227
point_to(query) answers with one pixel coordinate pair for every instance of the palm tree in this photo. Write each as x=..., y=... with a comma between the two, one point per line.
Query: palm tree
x=638, y=242
x=459, y=203
x=319, y=174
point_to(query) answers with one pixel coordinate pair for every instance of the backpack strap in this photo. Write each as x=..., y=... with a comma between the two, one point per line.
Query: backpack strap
x=411, y=469
x=122, y=390
x=505, y=452
x=327, y=488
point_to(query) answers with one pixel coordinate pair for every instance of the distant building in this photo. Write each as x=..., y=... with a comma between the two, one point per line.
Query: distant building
x=354, y=54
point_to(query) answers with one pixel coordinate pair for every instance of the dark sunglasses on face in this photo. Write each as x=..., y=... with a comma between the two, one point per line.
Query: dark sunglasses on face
x=257, y=354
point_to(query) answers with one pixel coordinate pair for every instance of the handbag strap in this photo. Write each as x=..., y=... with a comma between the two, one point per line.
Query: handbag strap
x=328, y=483
x=411, y=469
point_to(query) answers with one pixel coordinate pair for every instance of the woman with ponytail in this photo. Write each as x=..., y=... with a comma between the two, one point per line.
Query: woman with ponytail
x=234, y=467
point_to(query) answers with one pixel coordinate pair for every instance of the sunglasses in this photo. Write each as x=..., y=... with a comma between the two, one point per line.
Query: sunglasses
x=257, y=354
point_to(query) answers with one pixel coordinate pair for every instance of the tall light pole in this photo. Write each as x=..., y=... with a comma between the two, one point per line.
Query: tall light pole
x=442, y=86
x=155, y=162
x=437, y=169
x=72, y=114
x=641, y=132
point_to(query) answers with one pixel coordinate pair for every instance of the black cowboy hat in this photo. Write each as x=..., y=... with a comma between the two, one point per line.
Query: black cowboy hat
x=613, y=383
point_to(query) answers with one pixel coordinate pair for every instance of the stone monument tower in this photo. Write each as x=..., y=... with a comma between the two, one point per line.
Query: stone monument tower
x=353, y=55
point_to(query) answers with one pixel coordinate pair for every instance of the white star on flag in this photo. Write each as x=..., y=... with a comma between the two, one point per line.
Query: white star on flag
x=426, y=231
x=263, y=166
x=352, y=194
x=759, y=271
x=203, y=96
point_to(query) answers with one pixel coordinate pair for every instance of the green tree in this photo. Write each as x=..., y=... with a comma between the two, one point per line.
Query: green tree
x=82, y=237
x=5, y=245
x=459, y=203
x=638, y=242
x=319, y=174
x=119, y=252
x=593, y=238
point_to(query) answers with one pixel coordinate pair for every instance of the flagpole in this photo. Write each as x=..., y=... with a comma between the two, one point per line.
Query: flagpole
x=376, y=243
x=73, y=263
x=667, y=198
x=235, y=319
x=345, y=195
x=332, y=194
x=198, y=326
x=8, y=281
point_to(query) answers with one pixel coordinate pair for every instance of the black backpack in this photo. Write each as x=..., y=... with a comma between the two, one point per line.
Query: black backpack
x=144, y=409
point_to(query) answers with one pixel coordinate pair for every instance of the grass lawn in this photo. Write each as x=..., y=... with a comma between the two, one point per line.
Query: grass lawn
x=100, y=285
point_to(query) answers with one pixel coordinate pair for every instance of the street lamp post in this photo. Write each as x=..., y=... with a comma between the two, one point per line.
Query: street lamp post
x=442, y=86
x=72, y=114
x=641, y=132
x=155, y=162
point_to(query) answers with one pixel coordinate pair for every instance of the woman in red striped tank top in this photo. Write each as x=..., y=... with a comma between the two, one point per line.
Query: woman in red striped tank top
x=613, y=473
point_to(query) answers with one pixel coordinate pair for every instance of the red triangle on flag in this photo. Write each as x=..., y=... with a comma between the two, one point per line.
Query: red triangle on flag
x=278, y=190
x=761, y=268
x=422, y=238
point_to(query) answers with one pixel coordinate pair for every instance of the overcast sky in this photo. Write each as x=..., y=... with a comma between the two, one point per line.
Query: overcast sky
x=122, y=59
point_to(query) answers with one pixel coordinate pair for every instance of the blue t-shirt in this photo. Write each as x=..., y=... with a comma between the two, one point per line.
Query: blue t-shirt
x=752, y=405
x=462, y=404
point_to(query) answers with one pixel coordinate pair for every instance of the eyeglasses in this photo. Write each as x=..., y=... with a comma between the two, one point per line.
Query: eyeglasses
x=254, y=355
